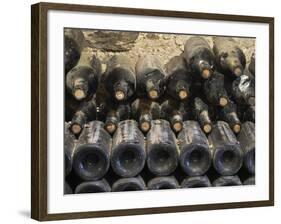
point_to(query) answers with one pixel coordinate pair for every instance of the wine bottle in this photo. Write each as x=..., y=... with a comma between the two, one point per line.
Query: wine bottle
x=229, y=115
x=199, y=57
x=247, y=141
x=201, y=114
x=162, y=151
x=73, y=180
x=69, y=148
x=227, y=153
x=119, y=78
x=85, y=114
x=71, y=106
x=227, y=181
x=92, y=156
x=73, y=44
x=67, y=188
x=151, y=77
x=214, y=90
x=195, y=156
x=249, y=74
x=243, y=90
x=230, y=59
x=115, y=114
x=144, y=111
x=179, y=78
x=250, y=181
x=82, y=80
x=187, y=110
x=194, y=182
x=97, y=186
x=170, y=111
x=129, y=184
x=252, y=65
x=250, y=114
x=161, y=183
x=128, y=149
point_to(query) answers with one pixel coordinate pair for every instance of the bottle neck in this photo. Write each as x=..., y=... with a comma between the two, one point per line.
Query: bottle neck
x=235, y=66
x=152, y=89
x=121, y=90
x=223, y=101
x=111, y=123
x=205, y=121
x=249, y=96
x=234, y=122
x=182, y=89
x=80, y=89
x=205, y=69
x=78, y=122
x=145, y=121
x=176, y=122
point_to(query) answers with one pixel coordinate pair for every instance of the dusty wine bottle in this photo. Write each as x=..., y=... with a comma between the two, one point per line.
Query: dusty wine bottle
x=250, y=114
x=195, y=156
x=227, y=181
x=97, y=186
x=161, y=183
x=92, y=157
x=214, y=90
x=250, y=181
x=69, y=148
x=179, y=78
x=252, y=65
x=227, y=153
x=128, y=149
x=199, y=56
x=144, y=111
x=151, y=77
x=129, y=184
x=162, y=151
x=170, y=111
x=82, y=80
x=115, y=114
x=103, y=97
x=197, y=181
x=187, y=110
x=201, y=114
x=85, y=114
x=243, y=90
x=249, y=74
x=71, y=106
x=229, y=115
x=120, y=78
x=230, y=59
x=73, y=44
x=247, y=141
x=67, y=188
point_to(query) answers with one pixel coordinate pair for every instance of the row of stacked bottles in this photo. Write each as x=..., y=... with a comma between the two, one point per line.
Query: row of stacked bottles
x=189, y=123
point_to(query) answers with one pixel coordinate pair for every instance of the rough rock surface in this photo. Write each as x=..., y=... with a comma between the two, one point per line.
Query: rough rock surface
x=133, y=44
